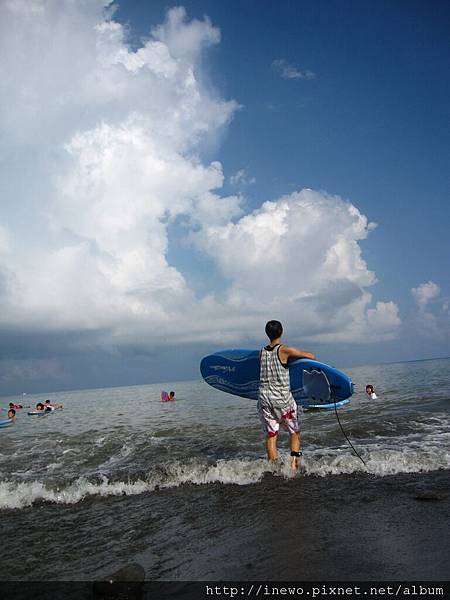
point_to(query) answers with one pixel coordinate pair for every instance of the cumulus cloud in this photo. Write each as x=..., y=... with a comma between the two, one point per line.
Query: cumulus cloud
x=300, y=254
x=102, y=154
x=119, y=131
x=432, y=316
x=289, y=71
x=425, y=292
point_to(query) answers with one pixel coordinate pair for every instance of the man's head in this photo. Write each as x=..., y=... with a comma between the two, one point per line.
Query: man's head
x=11, y=405
x=274, y=330
x=369, y=388
x=11, y=413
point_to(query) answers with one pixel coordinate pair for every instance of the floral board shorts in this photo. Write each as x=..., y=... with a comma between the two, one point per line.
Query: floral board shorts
x=273, y=416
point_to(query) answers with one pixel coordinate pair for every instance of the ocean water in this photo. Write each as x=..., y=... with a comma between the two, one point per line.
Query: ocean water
x=122, y=476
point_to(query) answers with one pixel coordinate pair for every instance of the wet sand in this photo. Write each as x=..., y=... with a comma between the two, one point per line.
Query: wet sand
x=334, y=528
x=337, y=528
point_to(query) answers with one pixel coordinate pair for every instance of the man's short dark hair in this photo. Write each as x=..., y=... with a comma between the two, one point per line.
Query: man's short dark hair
x=274, y=329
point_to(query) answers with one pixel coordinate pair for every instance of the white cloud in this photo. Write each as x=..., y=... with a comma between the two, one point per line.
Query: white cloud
x=300, y=255
x=119, y=130
x=432, y=317
x=302, y=241
x=425, y=292
x=241, y=179
x=288, y=71
x=101, y=151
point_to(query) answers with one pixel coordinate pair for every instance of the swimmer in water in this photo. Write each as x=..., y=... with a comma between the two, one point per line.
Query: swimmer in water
x=40, y=407
x=371, y=392
x=50, y=406
x=11, y=414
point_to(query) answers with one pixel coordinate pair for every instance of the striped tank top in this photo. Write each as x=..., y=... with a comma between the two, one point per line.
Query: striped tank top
x=274, y=383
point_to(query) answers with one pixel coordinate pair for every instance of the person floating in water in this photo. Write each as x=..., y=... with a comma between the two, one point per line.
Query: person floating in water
x=276, y=405
x=12, y=414
x=50, y=406
x=370, y=391
x=14, y=406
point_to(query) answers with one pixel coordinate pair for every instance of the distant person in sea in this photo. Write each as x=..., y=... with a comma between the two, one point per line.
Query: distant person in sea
x=40, y=407
x=14, y=406
x=370, y=391
x=171, y=395
x=12, y=414
x=276, y=405
x=50, y=406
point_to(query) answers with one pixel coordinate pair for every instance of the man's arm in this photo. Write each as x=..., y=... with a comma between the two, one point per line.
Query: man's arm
x=287, y=352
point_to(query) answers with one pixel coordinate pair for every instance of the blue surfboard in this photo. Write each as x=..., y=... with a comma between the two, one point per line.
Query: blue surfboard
x=313, y=384
x=5, y=422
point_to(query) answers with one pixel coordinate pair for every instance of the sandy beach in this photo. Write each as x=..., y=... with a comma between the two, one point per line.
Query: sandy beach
x=339, y=528
x=305, y=529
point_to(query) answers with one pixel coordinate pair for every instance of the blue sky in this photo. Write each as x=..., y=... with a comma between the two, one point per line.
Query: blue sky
x=372, y=126
x=194, y=173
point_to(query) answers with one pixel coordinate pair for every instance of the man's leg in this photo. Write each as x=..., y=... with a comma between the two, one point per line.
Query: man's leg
x=295, y=447
x=271, y=445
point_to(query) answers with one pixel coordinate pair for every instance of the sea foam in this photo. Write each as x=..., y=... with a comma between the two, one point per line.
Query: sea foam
x=379, y=461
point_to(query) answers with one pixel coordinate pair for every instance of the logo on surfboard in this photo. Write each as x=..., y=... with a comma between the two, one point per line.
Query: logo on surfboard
x=224, y=368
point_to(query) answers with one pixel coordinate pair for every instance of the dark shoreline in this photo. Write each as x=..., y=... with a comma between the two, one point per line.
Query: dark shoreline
x=342, y=527
x=335, y=528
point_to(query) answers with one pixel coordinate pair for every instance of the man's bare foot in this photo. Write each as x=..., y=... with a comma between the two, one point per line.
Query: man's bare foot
x=294, y=463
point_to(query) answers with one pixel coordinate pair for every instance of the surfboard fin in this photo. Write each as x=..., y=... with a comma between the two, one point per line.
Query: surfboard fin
x=316, y=386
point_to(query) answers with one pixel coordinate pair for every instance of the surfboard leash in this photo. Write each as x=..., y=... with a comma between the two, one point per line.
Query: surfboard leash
x=333, y=395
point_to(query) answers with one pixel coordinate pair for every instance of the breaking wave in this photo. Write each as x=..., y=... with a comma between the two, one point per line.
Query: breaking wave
x=380, y=461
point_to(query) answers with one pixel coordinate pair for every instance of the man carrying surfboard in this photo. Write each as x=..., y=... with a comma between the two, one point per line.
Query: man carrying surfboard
x=276, y=405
